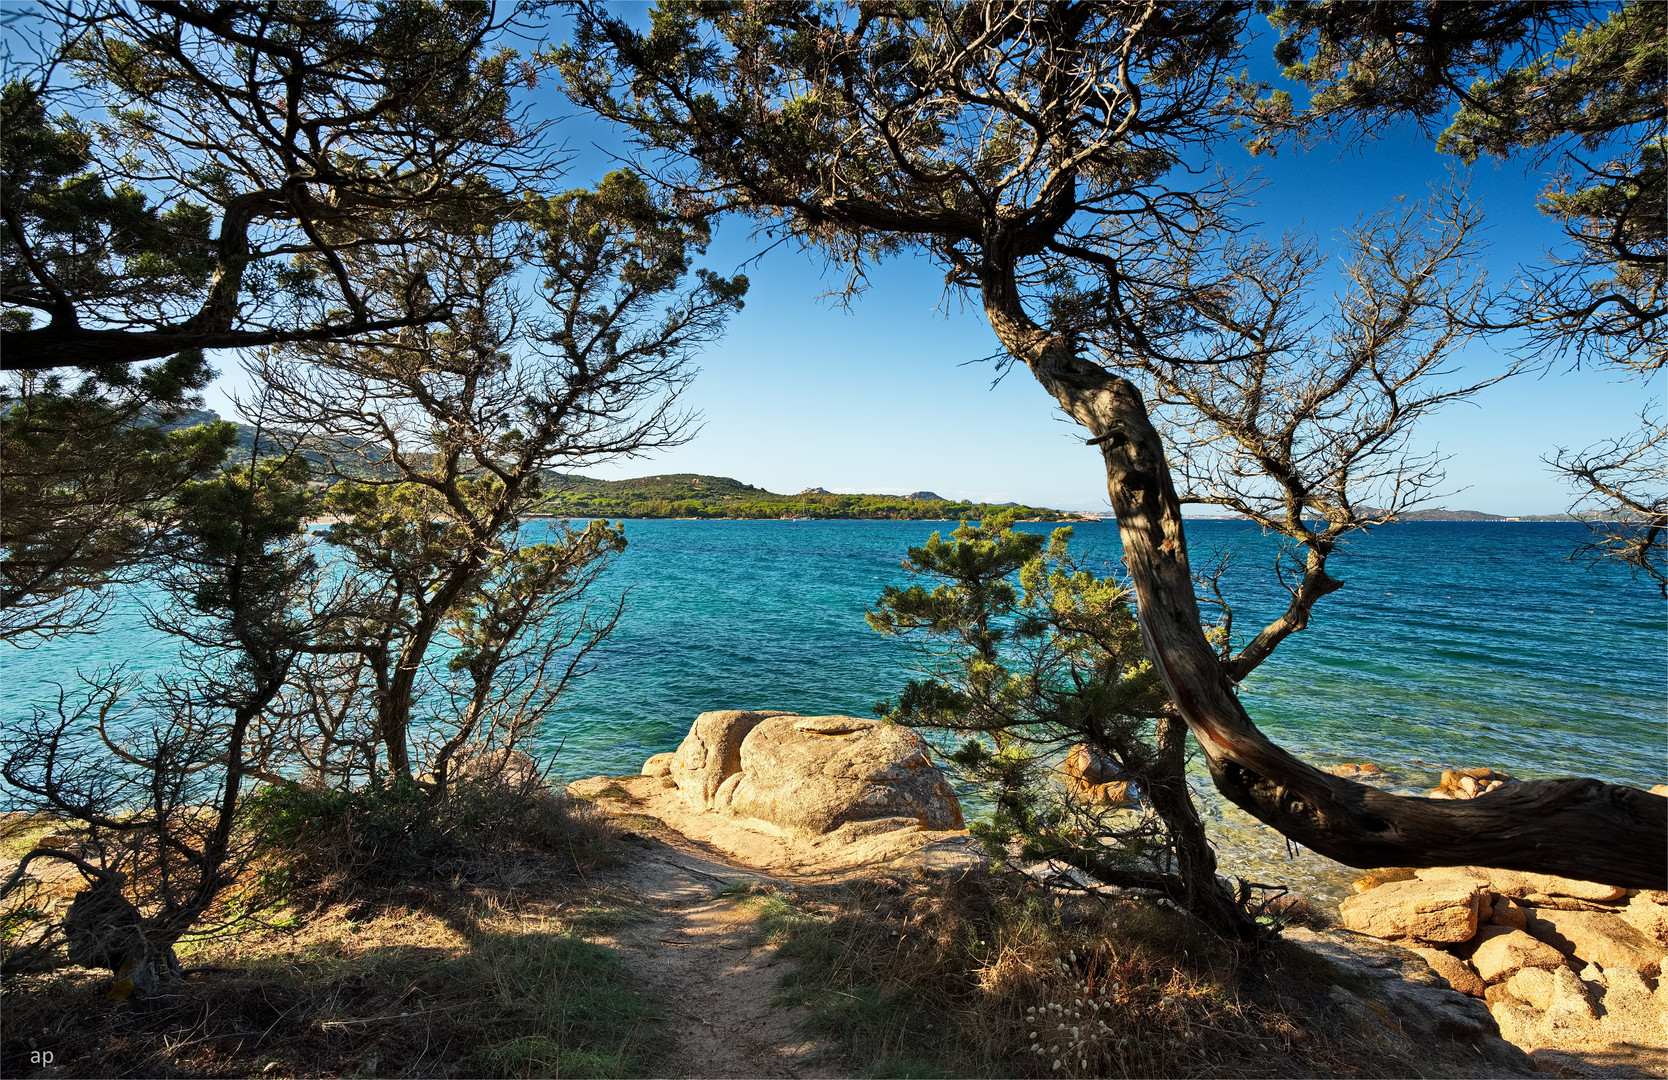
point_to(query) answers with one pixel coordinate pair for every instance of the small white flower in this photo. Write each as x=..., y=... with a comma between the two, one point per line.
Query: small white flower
x=1056, y=1064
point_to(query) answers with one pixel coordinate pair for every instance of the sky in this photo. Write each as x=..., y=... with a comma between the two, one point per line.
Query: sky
x=886, y=395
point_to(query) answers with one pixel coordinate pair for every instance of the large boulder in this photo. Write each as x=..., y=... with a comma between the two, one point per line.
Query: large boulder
x=814, y=774
x=1597, y=937
x=1410, y=996
x=711, y=753
x=1595, y=1024
x=1541, y=890
x=1441, y=912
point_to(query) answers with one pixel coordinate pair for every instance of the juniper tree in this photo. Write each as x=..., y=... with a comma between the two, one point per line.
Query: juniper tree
x=1028, y=655
x=217, y=170
x=183, y=176
x=151, y=776
x=1038, y=154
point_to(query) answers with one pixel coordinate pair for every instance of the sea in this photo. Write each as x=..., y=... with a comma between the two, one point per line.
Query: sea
x=1452, y=644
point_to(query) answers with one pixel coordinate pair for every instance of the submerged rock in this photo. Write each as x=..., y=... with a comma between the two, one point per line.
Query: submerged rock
x=1470, y=783
x=1090, y=776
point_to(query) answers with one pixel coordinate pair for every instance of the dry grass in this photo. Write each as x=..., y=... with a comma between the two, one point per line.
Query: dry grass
x=986, y=976
x=470, y=964
x=406, y=993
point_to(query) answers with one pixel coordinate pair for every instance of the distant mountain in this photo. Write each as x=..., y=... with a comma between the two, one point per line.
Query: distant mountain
x=667, y=486
x=925, y=496
x=1451, y=515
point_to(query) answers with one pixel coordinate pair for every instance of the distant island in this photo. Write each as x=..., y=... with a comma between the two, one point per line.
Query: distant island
x=1450, y=515
x=692, y=495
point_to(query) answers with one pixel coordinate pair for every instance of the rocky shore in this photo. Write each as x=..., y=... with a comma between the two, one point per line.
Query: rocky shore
x=1507, y=963
x=1569, y=969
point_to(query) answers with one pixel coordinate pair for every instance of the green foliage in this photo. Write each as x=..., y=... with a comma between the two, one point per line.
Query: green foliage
x=90, y=465
x=289, y=147
x=1593, y=103
x=1031, y=653
x=92, y=243
x=316, y=844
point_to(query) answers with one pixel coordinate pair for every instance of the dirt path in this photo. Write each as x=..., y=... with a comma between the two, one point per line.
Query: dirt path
x=698, y=956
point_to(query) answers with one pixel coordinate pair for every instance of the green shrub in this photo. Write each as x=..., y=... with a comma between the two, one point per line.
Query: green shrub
x=322, y=843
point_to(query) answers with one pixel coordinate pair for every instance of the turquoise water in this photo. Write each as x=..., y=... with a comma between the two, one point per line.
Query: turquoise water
x=1452, y=644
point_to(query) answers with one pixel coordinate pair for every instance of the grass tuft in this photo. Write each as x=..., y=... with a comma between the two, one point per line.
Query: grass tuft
x=989, y=976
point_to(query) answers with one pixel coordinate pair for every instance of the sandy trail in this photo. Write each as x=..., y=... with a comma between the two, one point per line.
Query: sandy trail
x=696, y=955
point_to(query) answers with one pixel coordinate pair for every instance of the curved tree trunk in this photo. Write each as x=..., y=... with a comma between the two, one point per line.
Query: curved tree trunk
x=1578, y=828
x=1203, y=893
x=1583, y=829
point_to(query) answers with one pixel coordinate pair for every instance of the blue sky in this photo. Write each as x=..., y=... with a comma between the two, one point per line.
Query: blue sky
x=882, y=396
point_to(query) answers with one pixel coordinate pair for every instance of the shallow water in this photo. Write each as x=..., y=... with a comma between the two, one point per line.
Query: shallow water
x=1452, y=644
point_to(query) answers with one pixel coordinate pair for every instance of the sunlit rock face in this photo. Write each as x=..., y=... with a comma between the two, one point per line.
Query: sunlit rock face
x=813, y=774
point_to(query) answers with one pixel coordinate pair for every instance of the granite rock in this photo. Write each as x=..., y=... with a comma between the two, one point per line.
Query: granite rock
x=1441, y=912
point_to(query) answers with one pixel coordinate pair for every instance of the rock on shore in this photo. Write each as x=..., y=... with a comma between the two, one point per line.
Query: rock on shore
x=1571, y=970
x=817, y=795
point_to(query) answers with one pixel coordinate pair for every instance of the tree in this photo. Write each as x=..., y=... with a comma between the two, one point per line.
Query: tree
x=151, y=778
x=438, y=440
x=1593, y=99
x=1300, y=420
x=221, y=176
x=1625, y=479
x=1029, y=676
x=1036, y=152
x=89, y=466
x=223, y=169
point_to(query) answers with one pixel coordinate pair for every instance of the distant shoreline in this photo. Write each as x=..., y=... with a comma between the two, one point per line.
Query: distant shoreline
x=1081, y=518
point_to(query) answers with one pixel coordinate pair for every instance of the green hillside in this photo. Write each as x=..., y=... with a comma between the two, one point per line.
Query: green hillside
x=687, y=495
x=690, y=495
